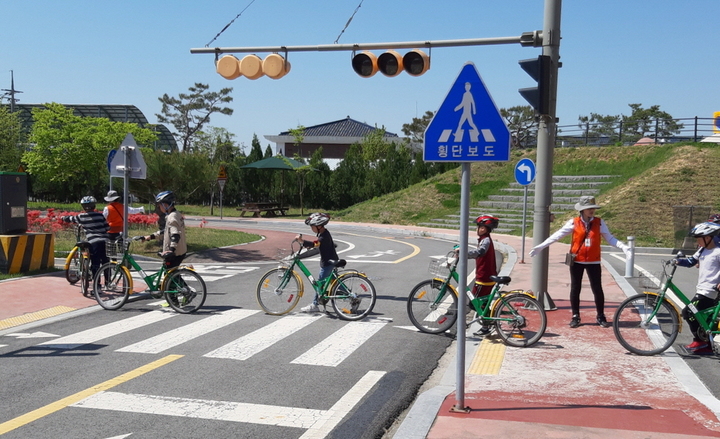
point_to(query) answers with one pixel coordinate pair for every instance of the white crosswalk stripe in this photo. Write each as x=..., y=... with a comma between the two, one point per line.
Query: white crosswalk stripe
x=261, y=339
x=338, y=346
x=185, y=333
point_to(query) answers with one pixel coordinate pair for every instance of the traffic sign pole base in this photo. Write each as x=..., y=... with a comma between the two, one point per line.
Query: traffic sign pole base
x=547, y=302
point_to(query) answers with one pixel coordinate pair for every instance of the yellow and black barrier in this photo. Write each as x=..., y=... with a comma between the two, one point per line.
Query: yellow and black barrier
x=26, y=252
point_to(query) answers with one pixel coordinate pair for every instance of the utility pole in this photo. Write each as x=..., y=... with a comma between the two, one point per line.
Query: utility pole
x=11, y=92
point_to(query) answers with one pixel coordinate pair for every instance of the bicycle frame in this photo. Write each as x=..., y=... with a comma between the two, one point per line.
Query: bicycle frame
x=154, y=281
x=320, y=286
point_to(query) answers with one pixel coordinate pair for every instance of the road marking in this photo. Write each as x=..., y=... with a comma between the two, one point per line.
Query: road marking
x=169, y=339
x=318, y=423
x=72, y=399
x=261, y=339
x=338, y=346
x=93, y=335
x=37, y=334
x=34, y=316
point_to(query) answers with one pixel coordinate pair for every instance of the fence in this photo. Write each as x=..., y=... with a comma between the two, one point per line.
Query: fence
x=629, y=132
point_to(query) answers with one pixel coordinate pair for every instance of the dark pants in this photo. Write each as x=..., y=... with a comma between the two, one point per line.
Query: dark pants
x=701, y=302
x=173, y=261
x=576, y=277
x=98, y=255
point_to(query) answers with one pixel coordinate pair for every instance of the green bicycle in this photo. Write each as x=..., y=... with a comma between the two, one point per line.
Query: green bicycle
x=77, y=263
x=351, y=293
x=648, y=323
x=183, y=289
x=432, y=306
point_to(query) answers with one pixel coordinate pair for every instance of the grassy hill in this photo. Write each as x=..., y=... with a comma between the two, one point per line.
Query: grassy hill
x=639, y=202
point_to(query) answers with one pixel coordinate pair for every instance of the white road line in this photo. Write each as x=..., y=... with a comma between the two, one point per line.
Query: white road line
x=338, y=346
x=167, y=340
x=98, y=333
x=668, y=294
x=260, y=339
x=318, y=423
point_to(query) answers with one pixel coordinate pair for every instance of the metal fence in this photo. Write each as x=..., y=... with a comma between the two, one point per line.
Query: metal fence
x=627, y=133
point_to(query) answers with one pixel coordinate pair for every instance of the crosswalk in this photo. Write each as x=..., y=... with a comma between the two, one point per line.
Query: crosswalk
x=331, y=351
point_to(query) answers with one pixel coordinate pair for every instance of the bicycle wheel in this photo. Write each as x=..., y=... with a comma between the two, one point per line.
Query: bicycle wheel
x=353, y=296
x=184, y=290
x=640, y=334
x=85, y=276
x=432, y=308
x=279, y=291
x=523, y=319
x=112, y=285
x=72, y=266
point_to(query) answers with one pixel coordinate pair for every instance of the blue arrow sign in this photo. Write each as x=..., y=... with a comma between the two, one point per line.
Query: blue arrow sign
x=525, y=172
x=110, y=157
x=468, y=126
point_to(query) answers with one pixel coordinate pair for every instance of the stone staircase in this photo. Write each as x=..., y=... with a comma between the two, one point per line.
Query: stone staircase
x=508, y=205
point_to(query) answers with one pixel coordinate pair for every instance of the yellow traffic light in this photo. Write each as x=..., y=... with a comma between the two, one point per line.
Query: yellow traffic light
x=252, y=67
x=391, y=63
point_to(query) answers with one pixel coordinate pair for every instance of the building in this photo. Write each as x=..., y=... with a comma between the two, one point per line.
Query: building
x=335, y=139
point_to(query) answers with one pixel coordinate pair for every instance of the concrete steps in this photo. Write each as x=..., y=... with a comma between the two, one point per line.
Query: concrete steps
x=508, y=203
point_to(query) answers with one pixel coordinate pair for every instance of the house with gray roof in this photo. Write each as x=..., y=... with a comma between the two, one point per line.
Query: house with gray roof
x=335, y=139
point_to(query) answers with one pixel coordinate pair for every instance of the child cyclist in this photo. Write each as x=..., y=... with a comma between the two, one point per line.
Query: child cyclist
x=707, y=258
x=328, y=255
x=96, y=229
x=485, y=264
x=173, y=236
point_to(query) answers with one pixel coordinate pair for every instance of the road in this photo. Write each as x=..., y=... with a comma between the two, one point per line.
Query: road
x=230, y=370
x=648, y=270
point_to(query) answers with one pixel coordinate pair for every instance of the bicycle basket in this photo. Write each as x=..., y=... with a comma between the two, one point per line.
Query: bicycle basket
x=652, y=281
x=115, y=249
x=439, y=267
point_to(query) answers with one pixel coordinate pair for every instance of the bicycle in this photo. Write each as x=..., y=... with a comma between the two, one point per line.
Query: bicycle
x=77, y=263
x=351, y=293
x=432, y=306
x=183, y=289
x=648, y=323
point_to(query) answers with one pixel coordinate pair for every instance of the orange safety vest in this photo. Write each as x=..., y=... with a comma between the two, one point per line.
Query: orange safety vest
x=584, y=252
x=115, y=218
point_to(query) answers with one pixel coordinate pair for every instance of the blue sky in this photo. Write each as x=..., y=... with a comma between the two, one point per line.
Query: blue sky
x=614, y=53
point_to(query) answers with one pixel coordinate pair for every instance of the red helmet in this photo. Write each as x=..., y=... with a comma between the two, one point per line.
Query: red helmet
x=714, y=218
x=488, y=221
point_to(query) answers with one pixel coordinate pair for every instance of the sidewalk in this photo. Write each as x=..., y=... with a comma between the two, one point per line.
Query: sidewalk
x=575, y=383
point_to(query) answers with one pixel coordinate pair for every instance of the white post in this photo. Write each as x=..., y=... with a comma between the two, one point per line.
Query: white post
x=630, y=260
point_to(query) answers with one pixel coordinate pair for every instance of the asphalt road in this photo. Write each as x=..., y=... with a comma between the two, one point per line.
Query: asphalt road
x=230, y=370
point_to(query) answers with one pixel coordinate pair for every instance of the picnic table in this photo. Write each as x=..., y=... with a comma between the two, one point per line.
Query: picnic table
x=270, y=208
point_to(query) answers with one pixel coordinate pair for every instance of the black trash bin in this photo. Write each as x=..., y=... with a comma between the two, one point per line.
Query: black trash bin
x=13, y=203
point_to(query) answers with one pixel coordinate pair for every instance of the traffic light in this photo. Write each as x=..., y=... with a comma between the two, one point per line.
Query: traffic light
x=539, y=96
x=252, y=67
x=390, y=63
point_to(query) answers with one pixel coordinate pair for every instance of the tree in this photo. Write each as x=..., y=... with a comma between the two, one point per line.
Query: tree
x=650, y=122
x=522, y=125
x=597, y=126
x=218, y=144
x=10, y=140
x=415, y=130
x=69, y=155
x=188, y=113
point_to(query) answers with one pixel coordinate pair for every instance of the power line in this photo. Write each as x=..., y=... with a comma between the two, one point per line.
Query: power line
x=228, y=25
x=348, y=22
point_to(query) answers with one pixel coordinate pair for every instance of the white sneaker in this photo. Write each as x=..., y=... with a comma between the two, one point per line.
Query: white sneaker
x=310, y=308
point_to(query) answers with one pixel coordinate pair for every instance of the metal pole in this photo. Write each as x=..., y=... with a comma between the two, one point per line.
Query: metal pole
x=522, y=253
x=126, y=190
x=630, y=260
x=546, y=145
x=221, y=191
x=462, y=288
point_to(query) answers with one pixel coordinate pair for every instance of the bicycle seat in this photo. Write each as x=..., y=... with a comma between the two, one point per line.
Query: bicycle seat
x=503, y=280
x=339, y=263
x=82, y=244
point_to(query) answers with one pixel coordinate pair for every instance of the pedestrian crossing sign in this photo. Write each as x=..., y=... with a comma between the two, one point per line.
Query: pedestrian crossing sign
x=468, y=126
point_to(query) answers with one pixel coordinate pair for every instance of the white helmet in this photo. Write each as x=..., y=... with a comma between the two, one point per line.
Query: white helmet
x=705, y=229
x=317, y=219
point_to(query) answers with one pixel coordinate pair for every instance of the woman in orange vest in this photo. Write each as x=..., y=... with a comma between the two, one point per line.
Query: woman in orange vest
x=113, y=213
x=586, y=231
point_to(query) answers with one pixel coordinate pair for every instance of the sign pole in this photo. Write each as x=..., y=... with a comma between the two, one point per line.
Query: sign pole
x=525, y=198
x=462, y=291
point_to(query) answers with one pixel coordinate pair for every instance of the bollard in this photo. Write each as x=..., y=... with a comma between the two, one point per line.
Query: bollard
x=630, y=261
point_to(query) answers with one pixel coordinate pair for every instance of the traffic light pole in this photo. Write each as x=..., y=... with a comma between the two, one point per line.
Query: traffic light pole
x=545, y=152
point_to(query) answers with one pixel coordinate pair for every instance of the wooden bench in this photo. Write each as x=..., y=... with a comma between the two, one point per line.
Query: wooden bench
x=270, y=209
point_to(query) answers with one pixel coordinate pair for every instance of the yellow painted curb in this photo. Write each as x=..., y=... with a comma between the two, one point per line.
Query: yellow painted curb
x=34, y=316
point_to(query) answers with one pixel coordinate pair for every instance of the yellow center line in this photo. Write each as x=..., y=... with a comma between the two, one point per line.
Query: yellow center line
x=416, y=250
x=72, y=399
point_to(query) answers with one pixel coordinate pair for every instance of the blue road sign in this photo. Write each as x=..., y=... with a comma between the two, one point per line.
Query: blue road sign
x=110, y=157
x=468, y=126
x=525, y=172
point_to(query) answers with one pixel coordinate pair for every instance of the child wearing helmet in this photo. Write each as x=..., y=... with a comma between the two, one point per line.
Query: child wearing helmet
x=96, y=228
x=173, y=235
x=707, y=258
x=328, y=255
x=485, y=264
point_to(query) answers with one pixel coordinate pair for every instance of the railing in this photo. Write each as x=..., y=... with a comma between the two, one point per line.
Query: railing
x=629, y=132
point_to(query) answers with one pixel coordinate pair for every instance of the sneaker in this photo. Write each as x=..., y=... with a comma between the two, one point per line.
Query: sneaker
x=484, y=330
x=697, y=344
x=575, y=322
x=313, y=307
x=707, y=350
x=602, y=321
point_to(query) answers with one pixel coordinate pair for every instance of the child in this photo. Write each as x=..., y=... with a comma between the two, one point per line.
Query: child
x=328, y=255
x=485, y=265
x=707, y=258
x=173, y=235
x=96, y=228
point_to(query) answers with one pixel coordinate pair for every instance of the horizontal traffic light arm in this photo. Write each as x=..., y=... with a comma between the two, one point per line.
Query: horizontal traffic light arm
x=522, y=39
